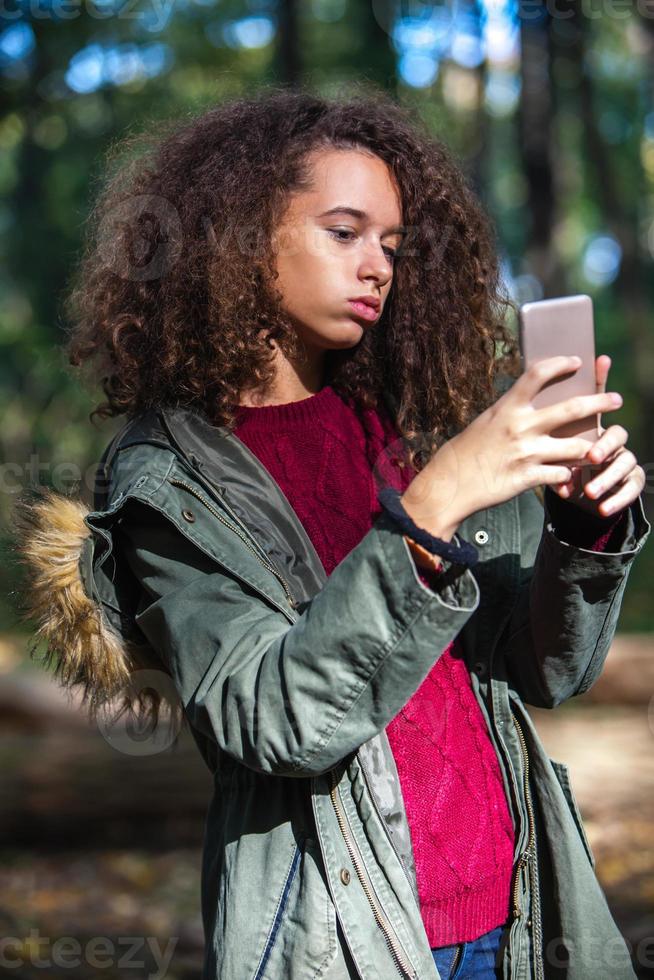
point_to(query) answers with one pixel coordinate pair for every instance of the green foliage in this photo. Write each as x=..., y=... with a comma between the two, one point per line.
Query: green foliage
x=53, y=141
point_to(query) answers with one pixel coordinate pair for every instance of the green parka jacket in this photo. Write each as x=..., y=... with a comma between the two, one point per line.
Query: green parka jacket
x=288, y=678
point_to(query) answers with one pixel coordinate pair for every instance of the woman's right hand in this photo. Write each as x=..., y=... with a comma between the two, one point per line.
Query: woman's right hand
x=505, y=450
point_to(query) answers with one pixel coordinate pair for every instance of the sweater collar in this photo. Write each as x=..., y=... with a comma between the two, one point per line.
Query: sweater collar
x=303, y=410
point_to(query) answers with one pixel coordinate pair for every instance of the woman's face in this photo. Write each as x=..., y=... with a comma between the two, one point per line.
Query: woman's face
x=326, y=260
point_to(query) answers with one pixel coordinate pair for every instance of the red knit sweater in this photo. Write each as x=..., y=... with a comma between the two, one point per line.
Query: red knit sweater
x=330, y=462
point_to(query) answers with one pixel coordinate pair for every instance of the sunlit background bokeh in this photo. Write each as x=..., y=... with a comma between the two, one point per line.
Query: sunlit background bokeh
x=549, y=108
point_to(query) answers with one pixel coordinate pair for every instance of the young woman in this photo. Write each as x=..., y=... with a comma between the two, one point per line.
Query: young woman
x=296, y=304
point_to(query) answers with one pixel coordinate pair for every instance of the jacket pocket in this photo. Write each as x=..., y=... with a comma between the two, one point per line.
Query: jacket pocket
x=563, y=775
x=302, y=942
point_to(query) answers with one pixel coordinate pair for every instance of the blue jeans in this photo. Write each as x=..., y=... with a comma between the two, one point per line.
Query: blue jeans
x=477, y=959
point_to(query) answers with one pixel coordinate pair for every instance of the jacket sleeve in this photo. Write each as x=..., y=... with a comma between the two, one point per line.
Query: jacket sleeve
x=574, y=570
x=291, y=698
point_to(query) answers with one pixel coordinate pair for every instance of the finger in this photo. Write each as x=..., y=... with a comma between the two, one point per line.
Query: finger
x=566, y=488
x=581, y=477
x=610, y=440
x=571, y=450
x=602, y=367
x=551, y=475
x=627, y=493
x=615, y=472
x=531, y=381
x=578, y=407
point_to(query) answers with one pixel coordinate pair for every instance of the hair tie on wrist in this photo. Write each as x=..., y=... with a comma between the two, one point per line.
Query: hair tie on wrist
x=465, y=554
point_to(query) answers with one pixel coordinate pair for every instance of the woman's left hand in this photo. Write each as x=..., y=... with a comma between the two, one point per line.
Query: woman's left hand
x=618, y=480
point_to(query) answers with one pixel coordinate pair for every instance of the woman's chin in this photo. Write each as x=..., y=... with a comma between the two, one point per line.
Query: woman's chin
x=340, y=337
x=350, y=334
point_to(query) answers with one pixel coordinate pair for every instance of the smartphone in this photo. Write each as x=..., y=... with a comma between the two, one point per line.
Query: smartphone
x=552, y=327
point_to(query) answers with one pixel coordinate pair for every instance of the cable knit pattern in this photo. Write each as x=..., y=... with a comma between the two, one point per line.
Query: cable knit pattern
x=330, y=459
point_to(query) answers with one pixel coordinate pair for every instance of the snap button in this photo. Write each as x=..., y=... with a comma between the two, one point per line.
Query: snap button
x=479, y=667
x=188, y=515
x=345, y=876
x=481, y=536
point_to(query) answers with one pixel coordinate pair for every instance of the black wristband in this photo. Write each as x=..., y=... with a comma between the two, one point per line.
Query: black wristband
x=466, y=554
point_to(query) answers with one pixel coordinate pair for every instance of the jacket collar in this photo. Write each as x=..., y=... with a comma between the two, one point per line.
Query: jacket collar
x=228, y=469
x=248, y=489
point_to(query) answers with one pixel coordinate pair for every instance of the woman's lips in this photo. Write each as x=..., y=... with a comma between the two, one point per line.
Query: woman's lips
x=364, y=310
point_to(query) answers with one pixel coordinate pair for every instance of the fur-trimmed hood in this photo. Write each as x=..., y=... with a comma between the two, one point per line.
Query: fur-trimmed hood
x=54, y=544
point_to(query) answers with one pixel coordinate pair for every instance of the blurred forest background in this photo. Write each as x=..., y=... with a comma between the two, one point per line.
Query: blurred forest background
x=550, y=109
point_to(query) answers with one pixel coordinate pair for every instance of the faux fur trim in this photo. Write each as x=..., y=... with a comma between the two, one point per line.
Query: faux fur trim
x=84, y=648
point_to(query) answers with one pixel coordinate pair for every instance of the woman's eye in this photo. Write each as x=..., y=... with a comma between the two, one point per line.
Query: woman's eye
x=339, y=231
x=388, y=252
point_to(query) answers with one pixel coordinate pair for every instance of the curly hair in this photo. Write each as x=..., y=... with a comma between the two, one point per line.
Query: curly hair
x=171, y=303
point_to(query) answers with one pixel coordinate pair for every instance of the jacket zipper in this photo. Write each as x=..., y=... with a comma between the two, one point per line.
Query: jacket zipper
x=529, y=856
x=392, y=941
x=243, y=535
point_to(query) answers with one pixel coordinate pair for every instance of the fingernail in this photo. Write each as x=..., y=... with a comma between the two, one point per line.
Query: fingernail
x=616, y=399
